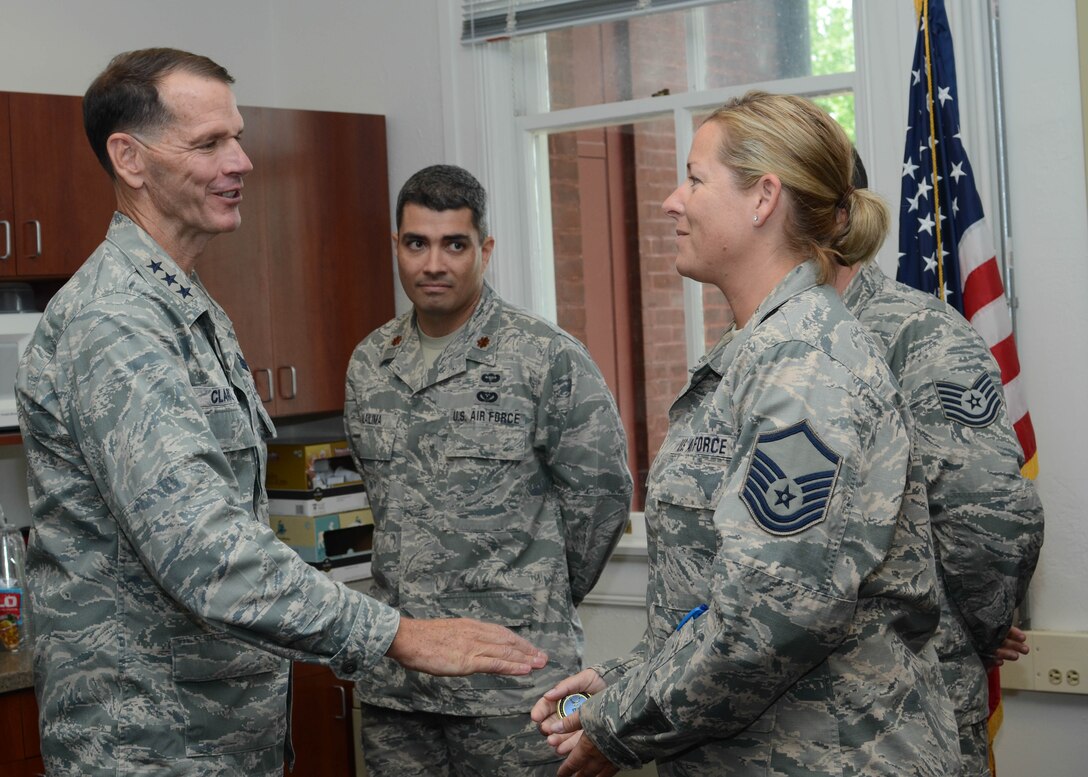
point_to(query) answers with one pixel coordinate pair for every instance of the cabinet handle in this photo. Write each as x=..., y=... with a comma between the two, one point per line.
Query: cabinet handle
x=343, y=703
x=294, y=381
x=271, y=388
x=7, y=239
x=37, y=238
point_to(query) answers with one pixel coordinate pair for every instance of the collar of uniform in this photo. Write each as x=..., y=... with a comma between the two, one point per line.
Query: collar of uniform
x=711, y=362
x=156, y=266
x=403, y=331
x=404, y=353
x=801, y=277
x=863, y=286
x=403, y=350
x=797, y=280
x=484, y=328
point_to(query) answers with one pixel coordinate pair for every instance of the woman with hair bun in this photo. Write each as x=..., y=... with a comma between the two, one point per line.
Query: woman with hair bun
x=792, y=594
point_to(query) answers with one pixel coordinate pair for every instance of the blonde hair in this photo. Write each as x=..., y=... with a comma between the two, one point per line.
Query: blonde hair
x=797, y=141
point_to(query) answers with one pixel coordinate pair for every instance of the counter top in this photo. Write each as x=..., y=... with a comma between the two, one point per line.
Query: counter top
x=15, y=670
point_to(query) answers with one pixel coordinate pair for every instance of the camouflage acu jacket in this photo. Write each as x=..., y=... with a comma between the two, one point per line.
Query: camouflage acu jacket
x=165, y=607
x=987, y=518
x=500, y=487
x=780, y=500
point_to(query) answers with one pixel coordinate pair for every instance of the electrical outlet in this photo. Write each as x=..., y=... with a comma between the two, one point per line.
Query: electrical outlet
x=1058, y=663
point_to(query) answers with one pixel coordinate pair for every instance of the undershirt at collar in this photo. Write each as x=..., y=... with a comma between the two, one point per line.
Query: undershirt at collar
x=432, y=347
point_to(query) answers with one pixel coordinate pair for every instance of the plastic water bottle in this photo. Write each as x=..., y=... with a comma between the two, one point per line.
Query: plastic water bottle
x=14, y=616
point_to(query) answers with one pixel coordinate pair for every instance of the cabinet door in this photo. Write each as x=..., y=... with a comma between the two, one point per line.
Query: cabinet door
x=32, y=767
x=329, y=250
x=7, y=205
x=32, y=743
x=63, y=198
x=234, y=266
x=11, y=722
x=321, y=727
x=310, y=272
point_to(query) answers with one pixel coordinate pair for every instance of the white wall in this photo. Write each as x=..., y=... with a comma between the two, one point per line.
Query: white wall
x=1045, y=733
x=397, y=58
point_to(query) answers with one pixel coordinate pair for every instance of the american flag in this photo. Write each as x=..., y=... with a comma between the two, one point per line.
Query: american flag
x=945, y=244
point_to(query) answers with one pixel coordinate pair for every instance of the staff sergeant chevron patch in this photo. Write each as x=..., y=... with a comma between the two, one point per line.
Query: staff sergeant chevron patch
x=790, y=479
x=975, y=405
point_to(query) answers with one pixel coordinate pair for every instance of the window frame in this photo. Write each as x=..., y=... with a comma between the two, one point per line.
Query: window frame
x=507, y=151
x=483, y=133
x=534, y=129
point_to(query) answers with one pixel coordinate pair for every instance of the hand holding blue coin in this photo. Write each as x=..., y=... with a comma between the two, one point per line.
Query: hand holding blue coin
x=568, y=705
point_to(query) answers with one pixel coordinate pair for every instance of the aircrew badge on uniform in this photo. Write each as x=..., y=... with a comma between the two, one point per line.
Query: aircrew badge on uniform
x=975, y=405
x=790, y=479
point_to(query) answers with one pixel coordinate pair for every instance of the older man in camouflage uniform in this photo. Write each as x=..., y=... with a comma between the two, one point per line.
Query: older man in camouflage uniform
x=496, y=465
x=987, y=519
x=778, y=500
x=165, y=607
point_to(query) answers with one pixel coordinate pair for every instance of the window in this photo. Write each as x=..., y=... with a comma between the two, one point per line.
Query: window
x=610, y=109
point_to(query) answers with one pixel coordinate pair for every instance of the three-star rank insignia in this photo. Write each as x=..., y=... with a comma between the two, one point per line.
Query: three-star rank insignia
x=790, y=478
x=483, y=342
x=975, y=405
x=170, y=279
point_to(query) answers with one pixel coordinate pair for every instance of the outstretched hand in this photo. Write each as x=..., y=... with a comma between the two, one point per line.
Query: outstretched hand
x=462, y=646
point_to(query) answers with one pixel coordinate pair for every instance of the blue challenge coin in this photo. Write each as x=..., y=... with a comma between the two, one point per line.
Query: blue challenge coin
x=568, y=705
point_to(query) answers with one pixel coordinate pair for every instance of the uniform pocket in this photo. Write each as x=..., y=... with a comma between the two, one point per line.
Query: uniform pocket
x=694, y=484
x=374, y=443
x=233, y=696
x=513, y=609
x=665, y=618
x=475, y=442
x=231, y=428
x=373, y=448
x=483, y=477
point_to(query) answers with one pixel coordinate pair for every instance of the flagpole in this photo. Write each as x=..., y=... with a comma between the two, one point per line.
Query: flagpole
x=1005, y=236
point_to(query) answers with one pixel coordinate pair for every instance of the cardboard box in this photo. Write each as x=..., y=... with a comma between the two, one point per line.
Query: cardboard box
x=307, y=463
x=318, y=502
x=326, y=537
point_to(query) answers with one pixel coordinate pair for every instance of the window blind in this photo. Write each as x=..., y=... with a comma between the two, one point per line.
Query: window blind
x=485, y=20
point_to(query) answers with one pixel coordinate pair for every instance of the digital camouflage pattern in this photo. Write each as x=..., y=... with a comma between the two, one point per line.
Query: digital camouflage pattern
x=427, y=744
x=165, y=607
x=499, y=484
x=987, y=518
x=815, y=656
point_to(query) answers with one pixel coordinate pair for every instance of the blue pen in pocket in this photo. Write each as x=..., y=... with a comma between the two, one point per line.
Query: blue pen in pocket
x=693, y=613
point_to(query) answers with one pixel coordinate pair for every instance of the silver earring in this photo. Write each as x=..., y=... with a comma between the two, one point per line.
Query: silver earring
x=755, y=219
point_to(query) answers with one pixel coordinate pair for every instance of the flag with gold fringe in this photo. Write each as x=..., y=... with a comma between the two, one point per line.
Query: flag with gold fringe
x=945, y=244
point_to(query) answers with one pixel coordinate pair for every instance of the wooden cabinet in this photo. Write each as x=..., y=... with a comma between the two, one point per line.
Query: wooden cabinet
x=55, y=199
x=309, y=273
x=305, y=278
x=20, y=755
x=321, y=727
